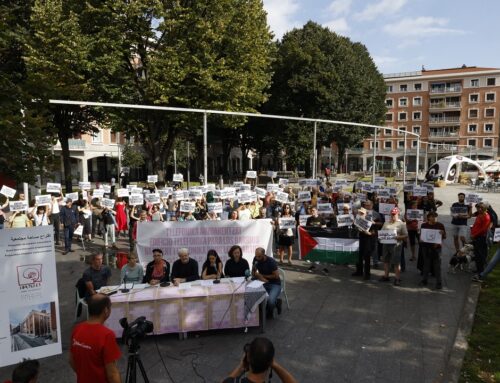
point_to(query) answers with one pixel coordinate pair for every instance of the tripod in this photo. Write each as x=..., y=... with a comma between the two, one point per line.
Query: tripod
x=134, y=360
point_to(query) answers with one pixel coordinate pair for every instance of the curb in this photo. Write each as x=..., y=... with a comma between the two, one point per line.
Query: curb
x=460, y=345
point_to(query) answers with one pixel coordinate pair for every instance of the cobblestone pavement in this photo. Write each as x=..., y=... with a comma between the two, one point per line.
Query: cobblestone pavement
x=338, y=329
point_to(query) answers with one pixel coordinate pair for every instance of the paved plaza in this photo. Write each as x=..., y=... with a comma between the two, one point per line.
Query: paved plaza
x=338, y=329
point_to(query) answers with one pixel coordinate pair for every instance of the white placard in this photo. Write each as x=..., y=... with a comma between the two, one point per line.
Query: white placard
x=164, y=193
x=98, y=193
x=281, y=197
x=385, y=208
x=178, y=177
x=408, y=188
x=72, y=196
x=325, y=208
x=84, y=185
x=344, y=220
x=379, y=181
x=273, y=188
x=361, y=197
x=135, y=199
x=383, y=193
x=153, y=198
x=283, y=181
x=152, y=179
x=245, y=197
x=419, y=191
x=8, y=192
x=53, y=187
x=341, y=182
x=272, y=174
x=135, y=190
x=362, y=223
x=245, y=187
x=106, y=188
x=459, y=210
x=178, y=195
x=251, y=174
x=228, y=193
x=303, y=219
x=261, y=193
x=109, y=203
x=429, y=187
x=431, y=236
x=28, y=288
x=187, y=207
x=286, y=223
x=496, y=236
x=130, y=186
x=472, y=198
x=309, y=182
x=195, y=194
x=78, y=230
x=304, y=196
x=237, y=184
x=415, y=214
x=43, y=200
x=387, y=236
x=18, y=205
x=215, y=207
x=122, y=193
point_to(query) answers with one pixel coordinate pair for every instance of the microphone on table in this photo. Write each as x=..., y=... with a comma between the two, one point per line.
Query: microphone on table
x=247, y=275
x=125, y=290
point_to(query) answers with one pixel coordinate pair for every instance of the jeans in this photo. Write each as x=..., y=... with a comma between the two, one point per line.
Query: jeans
x=68, y=236
x=110, y=234
x=432, y=256
x=274, y=291
x=491, y=265
x=1, y=226
x=480, y=252
x=56, y=222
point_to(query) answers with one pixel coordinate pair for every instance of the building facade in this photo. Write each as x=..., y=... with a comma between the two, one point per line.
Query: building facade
x=455, y=111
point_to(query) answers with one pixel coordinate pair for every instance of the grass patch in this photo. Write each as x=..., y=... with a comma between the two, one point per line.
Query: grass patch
x=482, y=359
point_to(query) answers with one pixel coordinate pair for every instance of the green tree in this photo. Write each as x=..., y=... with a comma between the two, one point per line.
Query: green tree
x=322, y=75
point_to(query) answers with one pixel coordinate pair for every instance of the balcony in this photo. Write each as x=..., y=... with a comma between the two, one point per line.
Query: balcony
x=445, y=105
x=443, y=134
x=444, y=120
x=446, y=89
x=73, y=143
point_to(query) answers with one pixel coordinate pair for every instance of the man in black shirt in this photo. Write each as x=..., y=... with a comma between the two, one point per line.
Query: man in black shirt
x=315, y=220
x=69, y=218
x=184, y=269
x=265, y=269
x=460, y=212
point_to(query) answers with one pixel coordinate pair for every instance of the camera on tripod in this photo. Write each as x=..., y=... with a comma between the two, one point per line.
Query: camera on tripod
x=136, y=330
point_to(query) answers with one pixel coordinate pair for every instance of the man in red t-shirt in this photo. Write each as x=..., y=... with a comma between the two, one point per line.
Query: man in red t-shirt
x=94, y=351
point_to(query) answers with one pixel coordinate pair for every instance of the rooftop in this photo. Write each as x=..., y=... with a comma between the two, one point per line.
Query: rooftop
x=438, y=72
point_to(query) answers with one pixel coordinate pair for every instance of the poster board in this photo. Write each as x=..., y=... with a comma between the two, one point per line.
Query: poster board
x=43, y=200
x=387, y=237
x=152, y=179
x=431, y=236
x=8, y=192
x=53, y=187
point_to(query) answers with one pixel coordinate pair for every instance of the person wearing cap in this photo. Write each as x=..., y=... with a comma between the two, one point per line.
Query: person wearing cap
x=391, y=253
x=432, y=251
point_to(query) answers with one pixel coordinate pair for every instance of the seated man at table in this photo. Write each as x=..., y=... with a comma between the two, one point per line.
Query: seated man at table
x=265, y=269
x=96, y=276
x=184, y=269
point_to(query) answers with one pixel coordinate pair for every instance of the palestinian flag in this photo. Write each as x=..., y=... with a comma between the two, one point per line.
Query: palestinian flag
x=339, y=246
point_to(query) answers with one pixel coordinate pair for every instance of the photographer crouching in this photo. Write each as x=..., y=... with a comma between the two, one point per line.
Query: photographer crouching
x=258, y=364
x=93, y=350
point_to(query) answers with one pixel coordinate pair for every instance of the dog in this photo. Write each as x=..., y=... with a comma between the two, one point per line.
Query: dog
x=462, y=259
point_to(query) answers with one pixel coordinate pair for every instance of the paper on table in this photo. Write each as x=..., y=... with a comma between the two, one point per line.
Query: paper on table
x=255, y=284
x=238, y=280
x=208, y=282
x=184, y=286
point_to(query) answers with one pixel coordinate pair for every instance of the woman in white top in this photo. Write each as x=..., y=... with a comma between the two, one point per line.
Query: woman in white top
x=85, y=218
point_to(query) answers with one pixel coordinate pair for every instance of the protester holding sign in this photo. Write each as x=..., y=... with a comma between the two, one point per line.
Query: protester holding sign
x=85, y=213
x=412, y=225
x=460, y=212
x=285, y=236
x=392, y=252
x=41, y=216
x=69, y=219
x=121, y=217
x=19, y=219
x=367, y=241
x=108, y=218
x=432, y=235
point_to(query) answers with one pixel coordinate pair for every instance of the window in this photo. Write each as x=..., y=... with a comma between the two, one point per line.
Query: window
x=388, y=132
x=489, y=112
x=472, y=128
x=403, y=88
x=371, y=144
x=473, y=113
x=416, y=129
x=471, y=142
x=403, y=101
x=488, y=143
x=488, y=128
x=388, y=116
x=490, y=97
x=417, y=86
x=402, y=116
x=417, y=101
x=474, y=83
x=389, y=102
x=97, y=137
x=473, y=98
x=402, y=130
x=389, y=88
x=414, y=144
x=491, y=81
x=113, y=137
x=417, y=116
x=388, y=145
x=401, y=144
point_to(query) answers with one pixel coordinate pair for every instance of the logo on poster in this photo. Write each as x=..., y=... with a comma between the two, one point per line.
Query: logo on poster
x=29, y=276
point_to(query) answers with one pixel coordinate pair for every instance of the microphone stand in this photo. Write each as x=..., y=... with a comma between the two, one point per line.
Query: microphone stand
x=125, y=290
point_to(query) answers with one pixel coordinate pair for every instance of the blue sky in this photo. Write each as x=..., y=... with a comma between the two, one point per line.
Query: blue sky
x=403, y=35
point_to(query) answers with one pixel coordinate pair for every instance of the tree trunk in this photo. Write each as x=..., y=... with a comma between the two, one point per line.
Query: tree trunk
x=226, y=152
x=341, y=158
x=63, y=135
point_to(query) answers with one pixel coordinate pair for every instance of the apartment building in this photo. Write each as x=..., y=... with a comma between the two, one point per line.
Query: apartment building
x=455, y=111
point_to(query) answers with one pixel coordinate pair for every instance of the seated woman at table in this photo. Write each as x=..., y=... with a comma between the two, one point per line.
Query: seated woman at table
x=236, y=265
x=212, y=268
x=158, y=270
x=132, y=272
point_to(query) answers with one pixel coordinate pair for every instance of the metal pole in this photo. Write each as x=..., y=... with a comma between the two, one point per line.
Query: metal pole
x=404, y=162
x=205, y=149
x=188, y=165
x=417, y=161
x=314, y=150
x=426, y=160
x=346, y=162
x=175, y=161
x=374, y=154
